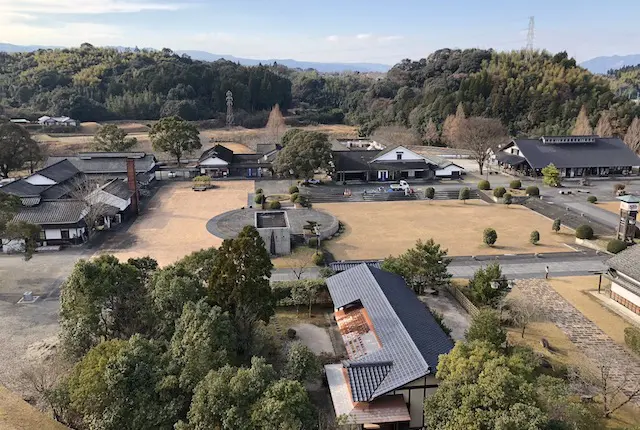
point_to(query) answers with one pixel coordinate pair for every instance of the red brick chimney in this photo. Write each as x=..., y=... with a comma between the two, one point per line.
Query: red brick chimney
x=133, y=184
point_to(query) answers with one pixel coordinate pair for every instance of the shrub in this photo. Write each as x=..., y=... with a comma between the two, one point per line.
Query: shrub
x=259, y=199
x=515, y=184
x=632, y=338
x=294, y=197
x=507, y=199
x=291, y=333
x=274, y=205
x=484, y=185
x=616, y=245
x=490, y=236
x=325, y=272
x=313, y=242
x=485, y=326
x=499, y=192
x=533, y=191
x=282, y=291
x=318, y=258
x=592, y=199
x=293, y=189
x=534, y=238
x=618, y=187
x=584, y=232
x=430, y=193
x=557, y=223
x=464, y=194
x=303, y=201
x=259, y=191
x=440, y=320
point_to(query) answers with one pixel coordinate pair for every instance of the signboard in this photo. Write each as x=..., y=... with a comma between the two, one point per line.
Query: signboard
x=631, y=207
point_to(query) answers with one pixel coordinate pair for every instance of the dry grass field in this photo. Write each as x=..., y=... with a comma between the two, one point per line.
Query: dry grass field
x=174, y=223
x=377, y=230
x=610, y=206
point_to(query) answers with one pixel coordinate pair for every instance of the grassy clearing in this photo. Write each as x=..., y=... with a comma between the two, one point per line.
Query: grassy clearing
x=300, y=257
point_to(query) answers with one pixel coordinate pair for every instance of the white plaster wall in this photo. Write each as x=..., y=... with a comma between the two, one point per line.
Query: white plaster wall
x=623, y=292
x=213, y=161
x=448, y=170
x=50, y=234
x=406, y=155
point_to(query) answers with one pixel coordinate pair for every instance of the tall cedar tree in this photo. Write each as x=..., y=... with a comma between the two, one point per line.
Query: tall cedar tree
x=17, y=149
x=305, y=152
x=632, y=138
x=452, y=124
x=111, y=138
x=582, y=126
x=478, y=135
x=175, y=136
x=276, y=126
x=604, y=127
x=239, y=283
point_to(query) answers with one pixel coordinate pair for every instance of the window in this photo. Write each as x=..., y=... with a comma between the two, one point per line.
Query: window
x=398, y=155
x=64, y=234
x=42, y=235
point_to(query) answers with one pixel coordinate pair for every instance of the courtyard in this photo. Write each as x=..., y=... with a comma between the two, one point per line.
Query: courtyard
x=377, y=230
x=174, y=223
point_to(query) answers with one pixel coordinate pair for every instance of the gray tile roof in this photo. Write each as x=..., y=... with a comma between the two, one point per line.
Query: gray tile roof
x=627, y=262
x=341, y=266
x=353, y=161
x=53, y=212
x=365, y=379
x=61, y=171
x=510, y=159
x=218, y=151
x=410, y=337
x=107, y=163
x=402, y=165
x=22, y=188
x=603, y=152
x=118, y=188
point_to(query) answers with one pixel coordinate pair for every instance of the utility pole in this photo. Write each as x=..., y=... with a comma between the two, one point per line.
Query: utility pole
x=530, y=38
x=229, y=109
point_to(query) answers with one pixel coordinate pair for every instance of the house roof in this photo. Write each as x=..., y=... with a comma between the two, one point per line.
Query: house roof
x=218, y=151
x=341, y=266
x=365, y=378
x=107, y=163
x=410, y=338
x=600, y=152
x=118, y=188
x=510, y=159
x=627, y=262
x=22, y=188
x=353, y=161
x=53, y=212
x=402, y=164
x=60, y=172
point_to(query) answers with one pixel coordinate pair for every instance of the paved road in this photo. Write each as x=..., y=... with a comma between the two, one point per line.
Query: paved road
x=513, y=266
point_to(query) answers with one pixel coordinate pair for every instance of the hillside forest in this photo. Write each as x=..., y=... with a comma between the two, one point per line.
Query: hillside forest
x=533, y=94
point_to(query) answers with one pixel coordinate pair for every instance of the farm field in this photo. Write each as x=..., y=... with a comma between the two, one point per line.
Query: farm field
x=377, y=230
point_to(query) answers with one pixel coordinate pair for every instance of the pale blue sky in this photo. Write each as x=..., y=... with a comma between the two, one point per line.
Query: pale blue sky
x=327, y=30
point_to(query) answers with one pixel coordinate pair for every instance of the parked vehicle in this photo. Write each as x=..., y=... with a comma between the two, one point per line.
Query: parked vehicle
x=401, y=186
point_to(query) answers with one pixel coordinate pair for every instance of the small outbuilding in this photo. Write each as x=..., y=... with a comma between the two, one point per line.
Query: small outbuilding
x=624, y=272
x=275, y=230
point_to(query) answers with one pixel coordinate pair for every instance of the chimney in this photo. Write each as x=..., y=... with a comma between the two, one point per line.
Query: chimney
x=133, y=184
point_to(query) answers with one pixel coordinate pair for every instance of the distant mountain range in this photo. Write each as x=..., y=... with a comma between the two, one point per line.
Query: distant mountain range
x=207, y=56
x=604, y=64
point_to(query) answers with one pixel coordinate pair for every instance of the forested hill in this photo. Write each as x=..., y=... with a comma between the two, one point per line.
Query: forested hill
x=626, y=81
x=538, y=95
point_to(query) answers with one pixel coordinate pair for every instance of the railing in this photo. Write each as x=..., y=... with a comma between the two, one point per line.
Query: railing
x=463, y=300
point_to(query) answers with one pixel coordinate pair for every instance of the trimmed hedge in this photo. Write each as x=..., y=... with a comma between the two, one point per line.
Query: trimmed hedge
x=499, y=192
x=282, y=291
x=533, y=191
x=484, y=185
x=294, y=197
x=489, y=236
x=293, y=189
x=430, y=193
x=259, y=199
x=275, y=205
x=592, y=199
x=534, y=238
x=632, y=338
x=584, y=232
x=507, y=199
x=464, y=194
x=313, y=242
x=259, y=191
x=616, y=245
x=515, y=184
x=318, y=258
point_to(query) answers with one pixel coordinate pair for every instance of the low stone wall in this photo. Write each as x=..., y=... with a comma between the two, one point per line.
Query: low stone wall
x=329, y=231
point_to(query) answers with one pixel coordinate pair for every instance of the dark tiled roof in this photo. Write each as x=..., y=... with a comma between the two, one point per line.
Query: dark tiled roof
x=60, y=171
x=58, y=191
x=627, y=262
x=118, y=188
x=250, y=160
x=53, y=212
x=603, y=152
x=410, y=337
x=218, y=151
x=22, y=188
x=366, y=378
x=510, y=159
x=108, y=162
x=401, y=165
x=353, y=161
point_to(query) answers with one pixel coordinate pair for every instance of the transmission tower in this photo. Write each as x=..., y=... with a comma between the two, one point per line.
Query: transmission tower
x=229, y=109
x=530, y=38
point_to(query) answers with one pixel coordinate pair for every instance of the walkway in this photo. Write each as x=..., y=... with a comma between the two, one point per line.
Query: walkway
x=588, y=338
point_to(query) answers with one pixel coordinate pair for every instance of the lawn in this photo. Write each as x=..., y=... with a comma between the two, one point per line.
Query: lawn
x=174, y=223
x=380, y=229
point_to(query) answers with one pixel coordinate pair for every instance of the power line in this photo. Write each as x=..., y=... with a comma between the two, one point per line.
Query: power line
x=530, y=37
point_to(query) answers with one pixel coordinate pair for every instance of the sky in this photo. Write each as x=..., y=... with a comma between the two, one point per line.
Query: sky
x=377, y=31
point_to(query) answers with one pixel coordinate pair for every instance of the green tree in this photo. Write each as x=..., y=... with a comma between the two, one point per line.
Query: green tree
x=304, y=293
x=302, y=364
x=102, y=299
x=204, y=340
x=17, y=230
x=284, y=406
x=424, y=266
x=430, y=193
x=289, y=135
x=175, y=136
x=487, y=327
x=534, y=237
x=304, y=153
x=110, y=138
x=488, y=285
x=239, y=283
x=464, y=194
x=557, y=224
x=198, y=263
x=551, y=176
x=17, y=149
x=489, y=236
x=507, y=199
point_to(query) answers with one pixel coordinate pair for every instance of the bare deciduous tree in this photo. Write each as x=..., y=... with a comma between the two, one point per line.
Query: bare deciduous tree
x=523, y=311
x=582, y=127
x=89, y=191
x=479, y=135
x=431, y=134
x=301, y=264
x=451, y=126
x=604, y=127
x=276, y=126
x=632, y=138
x=396, y=135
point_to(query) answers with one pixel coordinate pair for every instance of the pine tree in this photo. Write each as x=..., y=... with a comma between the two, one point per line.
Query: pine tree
x=632, y=138
x=604, y=128
x=582, y=127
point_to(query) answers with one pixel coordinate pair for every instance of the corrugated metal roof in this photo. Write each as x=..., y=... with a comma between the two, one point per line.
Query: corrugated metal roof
x=53, y=212
x=410, y=337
